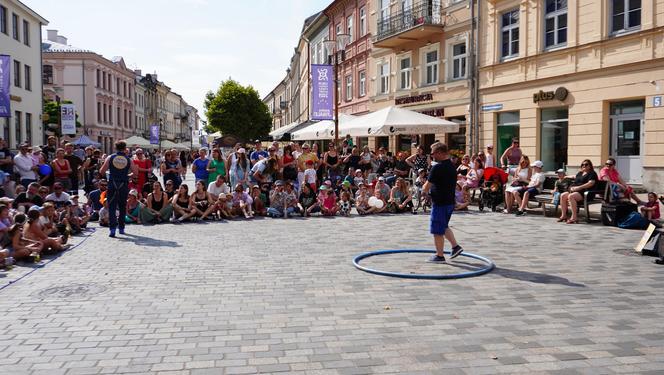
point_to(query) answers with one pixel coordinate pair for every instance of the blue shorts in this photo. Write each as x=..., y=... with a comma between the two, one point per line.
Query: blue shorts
x=440, y=218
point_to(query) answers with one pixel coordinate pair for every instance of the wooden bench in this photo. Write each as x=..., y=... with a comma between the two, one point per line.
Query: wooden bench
x=546, y=196
x=599, y=190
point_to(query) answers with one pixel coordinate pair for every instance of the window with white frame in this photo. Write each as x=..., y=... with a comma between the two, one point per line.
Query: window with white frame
x=459, y=58
x=337, y=29
x=625, y=15
x=405, y=73
x=431, y=67
x=349, y=88
x=363, y=22
x=349, y=27
x=362, y=90
x=384, y=78
x=555, y=23
x=510, y=34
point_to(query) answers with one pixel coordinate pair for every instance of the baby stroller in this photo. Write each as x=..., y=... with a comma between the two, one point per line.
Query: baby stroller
x=419, y=198
x=491, y=191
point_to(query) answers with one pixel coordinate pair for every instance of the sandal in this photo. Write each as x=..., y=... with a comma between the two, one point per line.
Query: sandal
x=572, y=221
x=560, y=220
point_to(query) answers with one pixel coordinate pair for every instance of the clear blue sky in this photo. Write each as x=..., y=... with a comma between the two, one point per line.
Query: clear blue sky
x=191, y=44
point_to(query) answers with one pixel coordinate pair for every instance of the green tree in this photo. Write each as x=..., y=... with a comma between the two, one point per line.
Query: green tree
x=52, y=110
x=237, y=110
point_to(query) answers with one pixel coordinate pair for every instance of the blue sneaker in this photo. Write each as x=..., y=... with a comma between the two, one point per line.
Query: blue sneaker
x=112, y=234
x=121, y=231
x=436, y=259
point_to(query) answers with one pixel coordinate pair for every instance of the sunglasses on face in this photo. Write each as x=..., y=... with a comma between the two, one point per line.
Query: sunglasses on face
x=585, y=164
x=609, y=164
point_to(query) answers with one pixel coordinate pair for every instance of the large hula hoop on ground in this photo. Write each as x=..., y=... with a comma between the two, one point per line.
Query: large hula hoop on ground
x=489, y=266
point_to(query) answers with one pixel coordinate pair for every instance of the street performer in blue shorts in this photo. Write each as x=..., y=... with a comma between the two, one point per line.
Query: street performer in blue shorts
x=442, y=185
x=118, y=165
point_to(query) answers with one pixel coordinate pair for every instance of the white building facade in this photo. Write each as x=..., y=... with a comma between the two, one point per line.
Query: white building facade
x=20, y=38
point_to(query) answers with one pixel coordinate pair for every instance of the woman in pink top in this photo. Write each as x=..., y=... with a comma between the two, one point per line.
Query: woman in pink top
x=611, y=174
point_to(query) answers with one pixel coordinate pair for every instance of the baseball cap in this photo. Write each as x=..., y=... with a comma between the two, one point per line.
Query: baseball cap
x=279, y=183
x=358, y=170
x=323, y=187
x=133, y=192
x=35, y=208
x=346, y=183
x=328, y=182
x=489, y=146
x=242, y=150
x=560, y=171
x=255, y=187
x=381, y=178
x=538, y=164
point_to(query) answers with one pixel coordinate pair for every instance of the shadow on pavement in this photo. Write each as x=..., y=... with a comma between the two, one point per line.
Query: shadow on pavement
x=533, y=277
x=147, y=241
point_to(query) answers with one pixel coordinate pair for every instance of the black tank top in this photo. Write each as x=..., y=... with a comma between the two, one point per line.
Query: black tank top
x=332, y=160
x=158, y=205
x=183, y=204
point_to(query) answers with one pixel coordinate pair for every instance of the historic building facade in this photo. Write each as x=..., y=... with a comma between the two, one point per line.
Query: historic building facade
x=420, y=61
x=20, y=38
x=576, y=80
x=101, y=89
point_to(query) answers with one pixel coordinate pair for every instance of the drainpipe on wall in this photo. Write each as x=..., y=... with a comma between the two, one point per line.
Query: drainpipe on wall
x=477, y=77
x=472, y=72
x=83, y=88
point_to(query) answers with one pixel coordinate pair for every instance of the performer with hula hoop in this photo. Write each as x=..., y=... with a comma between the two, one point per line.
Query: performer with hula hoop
x=442, y=185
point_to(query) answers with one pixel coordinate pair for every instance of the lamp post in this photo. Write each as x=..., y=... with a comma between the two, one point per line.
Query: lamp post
x=337, y=50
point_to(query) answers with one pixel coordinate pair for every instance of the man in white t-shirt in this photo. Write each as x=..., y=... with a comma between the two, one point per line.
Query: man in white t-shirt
x=533, y=188
x=58, y=196
x=218, y=187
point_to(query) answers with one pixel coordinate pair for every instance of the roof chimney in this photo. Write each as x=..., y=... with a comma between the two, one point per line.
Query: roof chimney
x=62, y=40
x=138, y=72
x=52, y=35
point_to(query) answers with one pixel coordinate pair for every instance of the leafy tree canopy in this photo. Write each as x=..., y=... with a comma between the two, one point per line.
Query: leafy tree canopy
x=237, y=110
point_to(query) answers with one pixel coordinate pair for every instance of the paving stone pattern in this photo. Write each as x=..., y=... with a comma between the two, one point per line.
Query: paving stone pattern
x=281, y=295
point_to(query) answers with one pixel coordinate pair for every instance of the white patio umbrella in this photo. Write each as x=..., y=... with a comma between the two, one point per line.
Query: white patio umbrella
x=322, y=130
x=396, y=121
x=136, y=141
x=278, y=133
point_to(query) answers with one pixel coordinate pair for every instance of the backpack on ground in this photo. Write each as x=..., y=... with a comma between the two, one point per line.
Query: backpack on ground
x=634, y=221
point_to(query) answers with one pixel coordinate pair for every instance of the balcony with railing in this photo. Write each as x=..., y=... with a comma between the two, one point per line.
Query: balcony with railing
x=421, y=20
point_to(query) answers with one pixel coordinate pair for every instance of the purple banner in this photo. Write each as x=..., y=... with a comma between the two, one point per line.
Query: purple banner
x=154, y=134
x=5, y=110
x=322, y=92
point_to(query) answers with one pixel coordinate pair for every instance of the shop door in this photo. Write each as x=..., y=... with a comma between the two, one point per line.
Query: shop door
x=627, y=146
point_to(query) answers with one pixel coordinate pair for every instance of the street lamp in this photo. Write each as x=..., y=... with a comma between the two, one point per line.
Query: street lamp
x=337, y=55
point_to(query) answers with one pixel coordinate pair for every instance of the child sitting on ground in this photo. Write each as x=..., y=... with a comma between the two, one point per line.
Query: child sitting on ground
x=344, y=204
x=462, y=198
x=310, y=176
x=650, y=210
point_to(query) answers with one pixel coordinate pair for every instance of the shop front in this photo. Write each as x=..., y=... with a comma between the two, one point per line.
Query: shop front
x=566, y=122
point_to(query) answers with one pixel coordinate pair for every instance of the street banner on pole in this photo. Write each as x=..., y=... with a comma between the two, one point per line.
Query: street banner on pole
x=68, y=119
x=5, y=110
x=154, y=134
x=323, y=92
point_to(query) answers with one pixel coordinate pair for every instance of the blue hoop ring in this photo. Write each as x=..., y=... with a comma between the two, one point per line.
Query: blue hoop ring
x=489, y=266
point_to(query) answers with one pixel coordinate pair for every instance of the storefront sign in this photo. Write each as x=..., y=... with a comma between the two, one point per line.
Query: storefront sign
x=657, y=101
x=5, y=110
x=436, y=112
x=323, y=92
x=492, y=107
x=414, y=99
x=560, y=94
x=68, y=119
x=154, y=134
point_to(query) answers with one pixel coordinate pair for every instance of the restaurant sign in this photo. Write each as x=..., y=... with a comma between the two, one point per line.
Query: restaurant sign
x=414, y=99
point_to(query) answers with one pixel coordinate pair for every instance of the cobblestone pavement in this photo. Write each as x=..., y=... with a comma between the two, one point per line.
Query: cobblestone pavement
x=281, y=295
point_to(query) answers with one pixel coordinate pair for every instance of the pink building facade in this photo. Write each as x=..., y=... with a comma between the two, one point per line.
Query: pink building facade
x=352, y=17
x=101, y=89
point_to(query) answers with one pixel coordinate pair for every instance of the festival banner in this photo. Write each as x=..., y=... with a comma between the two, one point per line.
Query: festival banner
x=5, y=110
x=154, y=134
x=323, y=92
x=68, y=119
